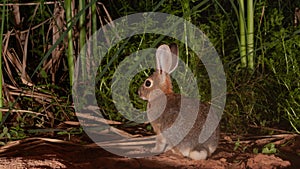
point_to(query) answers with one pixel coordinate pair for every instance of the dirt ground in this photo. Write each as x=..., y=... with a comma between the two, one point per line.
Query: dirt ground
x=56, y=153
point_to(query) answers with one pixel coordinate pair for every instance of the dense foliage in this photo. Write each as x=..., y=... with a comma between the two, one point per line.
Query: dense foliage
x=266, y=96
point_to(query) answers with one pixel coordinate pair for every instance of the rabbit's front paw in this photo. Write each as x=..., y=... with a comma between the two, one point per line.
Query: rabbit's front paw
x=160, y=144
x=158, y=148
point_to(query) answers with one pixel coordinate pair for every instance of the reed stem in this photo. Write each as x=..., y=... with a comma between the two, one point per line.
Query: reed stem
x=68, y=6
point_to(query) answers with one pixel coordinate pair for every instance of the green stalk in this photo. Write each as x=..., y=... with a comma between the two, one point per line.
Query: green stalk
x=187, y=16
x=70, y=58
x=94, y=17
x=94, y=26
x=250, y=34
x=243, y=49
x=1, y=75
x=82, y=35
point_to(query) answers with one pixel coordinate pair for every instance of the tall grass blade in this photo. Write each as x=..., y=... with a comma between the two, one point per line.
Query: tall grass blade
x=68, y=6
x=94, y=17
x=243, y=49
x=82, y=35
x=94, y=26
x=250, y=34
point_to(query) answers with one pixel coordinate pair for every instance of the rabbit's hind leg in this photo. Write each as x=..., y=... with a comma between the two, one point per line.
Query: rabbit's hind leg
x=212, y=148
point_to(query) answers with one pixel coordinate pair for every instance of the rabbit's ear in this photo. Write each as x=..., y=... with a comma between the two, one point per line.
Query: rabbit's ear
x=166, y=58
x=174, y=51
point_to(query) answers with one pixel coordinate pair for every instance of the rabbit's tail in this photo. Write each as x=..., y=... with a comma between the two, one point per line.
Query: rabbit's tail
x=199, y=154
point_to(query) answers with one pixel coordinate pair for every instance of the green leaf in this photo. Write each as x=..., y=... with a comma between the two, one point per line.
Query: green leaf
x=255, y=150
x=43, y=74
x=237, y=145
x=5, y=130
x=269, y=149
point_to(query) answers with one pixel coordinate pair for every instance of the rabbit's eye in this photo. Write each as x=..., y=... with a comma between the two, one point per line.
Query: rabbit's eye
x=148, y=83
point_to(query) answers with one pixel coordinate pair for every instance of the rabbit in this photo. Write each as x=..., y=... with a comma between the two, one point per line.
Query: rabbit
x=163, y=109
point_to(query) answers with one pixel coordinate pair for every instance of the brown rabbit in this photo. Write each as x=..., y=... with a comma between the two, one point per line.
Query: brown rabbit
x=170, y=114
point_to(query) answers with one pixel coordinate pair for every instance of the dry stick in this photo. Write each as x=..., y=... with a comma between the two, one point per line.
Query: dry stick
x=12, y=87
x=20, y=111
x=107, y=14
x=33, y=94
x=25, y=79
x=8, y=96
x=28, y=4
x=8, y=70
x=16, y=12
x=271, y=129
x=38, y=98
x=276, y=139
x=122, y=133
x=6, y=39
x=32, y=28
x=133, y=144
x=52, y=61
x=277, y=136
x=103, y=28
x=56, y=23
x=15, y=62
x=72, y=123
x=95, y=118
x=48, y=94
x=110, y=21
